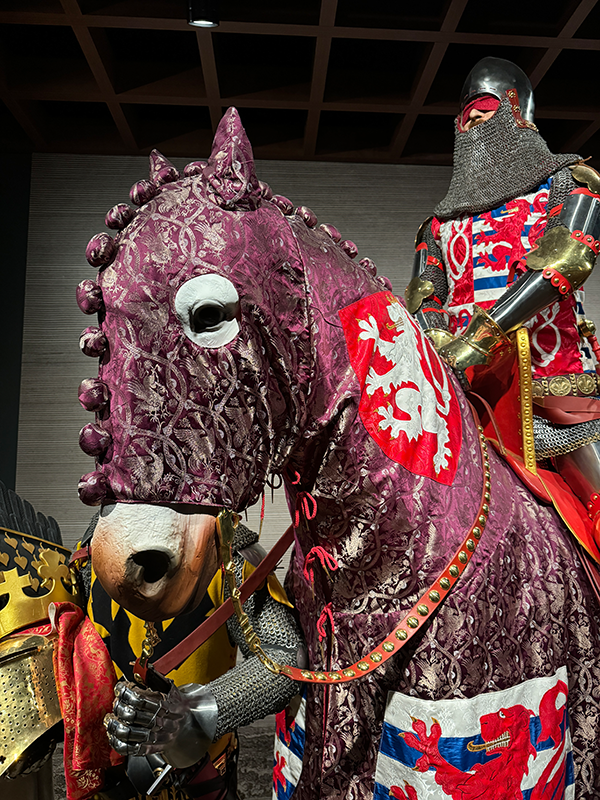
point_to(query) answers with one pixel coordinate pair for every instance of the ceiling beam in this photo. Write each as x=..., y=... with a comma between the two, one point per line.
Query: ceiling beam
x=99, y=71
x=430, y=70
x=137, y=97
x=319, y=76
x=281, y=29
x=211, y=78
x=576, y=142
x=569, y=30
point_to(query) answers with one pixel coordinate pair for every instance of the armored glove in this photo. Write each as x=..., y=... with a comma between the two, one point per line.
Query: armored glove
x=180, y=724
x=477, y=345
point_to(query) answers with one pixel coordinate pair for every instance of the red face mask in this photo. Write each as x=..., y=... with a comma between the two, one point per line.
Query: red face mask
x=486, y=102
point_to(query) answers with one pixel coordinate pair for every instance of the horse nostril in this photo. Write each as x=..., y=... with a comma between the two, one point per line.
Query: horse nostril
x=155, y=564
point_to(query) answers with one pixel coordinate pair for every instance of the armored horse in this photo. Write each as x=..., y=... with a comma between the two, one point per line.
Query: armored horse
x=452, y=635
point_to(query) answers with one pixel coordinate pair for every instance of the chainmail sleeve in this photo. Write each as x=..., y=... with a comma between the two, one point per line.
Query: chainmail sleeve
x=250, y=691
x=432, y=309
x=562, y=185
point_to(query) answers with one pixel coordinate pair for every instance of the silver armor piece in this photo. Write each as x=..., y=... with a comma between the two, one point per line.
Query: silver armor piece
x=495, y=162
x=180, y=725
x=523, y=300
x=496, y=76
x=581, y=212
x=420, y=262
x=198, y=729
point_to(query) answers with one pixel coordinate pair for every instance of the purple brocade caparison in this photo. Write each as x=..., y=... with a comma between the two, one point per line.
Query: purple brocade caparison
x=208, y=425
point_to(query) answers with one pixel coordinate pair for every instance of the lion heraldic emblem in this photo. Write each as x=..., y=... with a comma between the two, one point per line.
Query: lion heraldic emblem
x=408, y=404
x=518, y=750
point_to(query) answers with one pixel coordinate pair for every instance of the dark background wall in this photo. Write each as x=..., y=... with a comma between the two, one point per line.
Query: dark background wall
x=14, y=213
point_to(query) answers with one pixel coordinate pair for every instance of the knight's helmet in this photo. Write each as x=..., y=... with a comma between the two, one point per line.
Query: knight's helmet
x=496, y=76
x=34, y=572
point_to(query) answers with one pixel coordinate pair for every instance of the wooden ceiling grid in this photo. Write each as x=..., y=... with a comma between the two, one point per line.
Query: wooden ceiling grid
x=339, y=80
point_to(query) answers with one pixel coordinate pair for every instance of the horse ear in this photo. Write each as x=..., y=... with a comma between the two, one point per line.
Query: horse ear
x=230, y=172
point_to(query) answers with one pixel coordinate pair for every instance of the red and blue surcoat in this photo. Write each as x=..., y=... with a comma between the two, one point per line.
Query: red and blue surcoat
x=482, y=256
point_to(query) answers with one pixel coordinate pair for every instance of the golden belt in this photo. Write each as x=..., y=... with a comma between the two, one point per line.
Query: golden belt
x=584, y=384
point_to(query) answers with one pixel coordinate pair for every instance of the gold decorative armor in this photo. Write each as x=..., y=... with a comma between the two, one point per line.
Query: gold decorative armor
x=416, y=292
x=558, y=250
x=482, y=338
x=29, y=703
x=439, y=337
x=33, y=574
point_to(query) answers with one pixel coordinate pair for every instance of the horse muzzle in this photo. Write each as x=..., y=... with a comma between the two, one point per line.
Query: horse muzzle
x=156, y=561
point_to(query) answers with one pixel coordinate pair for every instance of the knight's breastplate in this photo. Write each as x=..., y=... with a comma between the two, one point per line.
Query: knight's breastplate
x=482, y=255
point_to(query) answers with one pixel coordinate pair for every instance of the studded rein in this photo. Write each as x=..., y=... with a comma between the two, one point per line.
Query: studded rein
x=427, y=603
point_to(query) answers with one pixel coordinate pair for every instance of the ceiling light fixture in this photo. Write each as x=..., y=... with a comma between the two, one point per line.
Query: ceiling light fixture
x=203, y=13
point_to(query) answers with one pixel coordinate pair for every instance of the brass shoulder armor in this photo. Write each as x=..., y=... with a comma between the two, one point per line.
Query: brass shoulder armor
x=587, y=176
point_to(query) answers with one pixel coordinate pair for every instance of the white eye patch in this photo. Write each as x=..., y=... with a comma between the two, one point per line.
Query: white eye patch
x=207, y=307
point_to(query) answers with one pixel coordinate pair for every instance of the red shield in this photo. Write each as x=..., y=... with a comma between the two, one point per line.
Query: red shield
x=408, y=404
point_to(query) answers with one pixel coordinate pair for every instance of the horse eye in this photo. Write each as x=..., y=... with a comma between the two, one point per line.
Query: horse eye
x=206, y=317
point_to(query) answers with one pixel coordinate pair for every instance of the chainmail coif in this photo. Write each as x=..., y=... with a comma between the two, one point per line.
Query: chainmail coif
x=496, y=161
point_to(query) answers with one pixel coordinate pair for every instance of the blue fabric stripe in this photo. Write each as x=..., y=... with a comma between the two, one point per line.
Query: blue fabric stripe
x=493, y=282
x=380, y=792
x=452, y=749
x=290, y=788
x=296, y=745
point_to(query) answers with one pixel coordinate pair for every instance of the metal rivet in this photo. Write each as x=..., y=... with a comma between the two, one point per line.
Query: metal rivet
x=422, y=610
x=463, y=557
x=376, y=657
x=482, y=520
x=454, y=571
x=388, y=646
x=320, y=676
x=485, y=508
x=434, y=596
x=402, y=635
x=487, y=497
x=412, y=622
x=306, y=674
x=349, y=673
x=362, y=665
x=335, y=676
x=476, y=532
x=470, y=545
x=445, y=584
